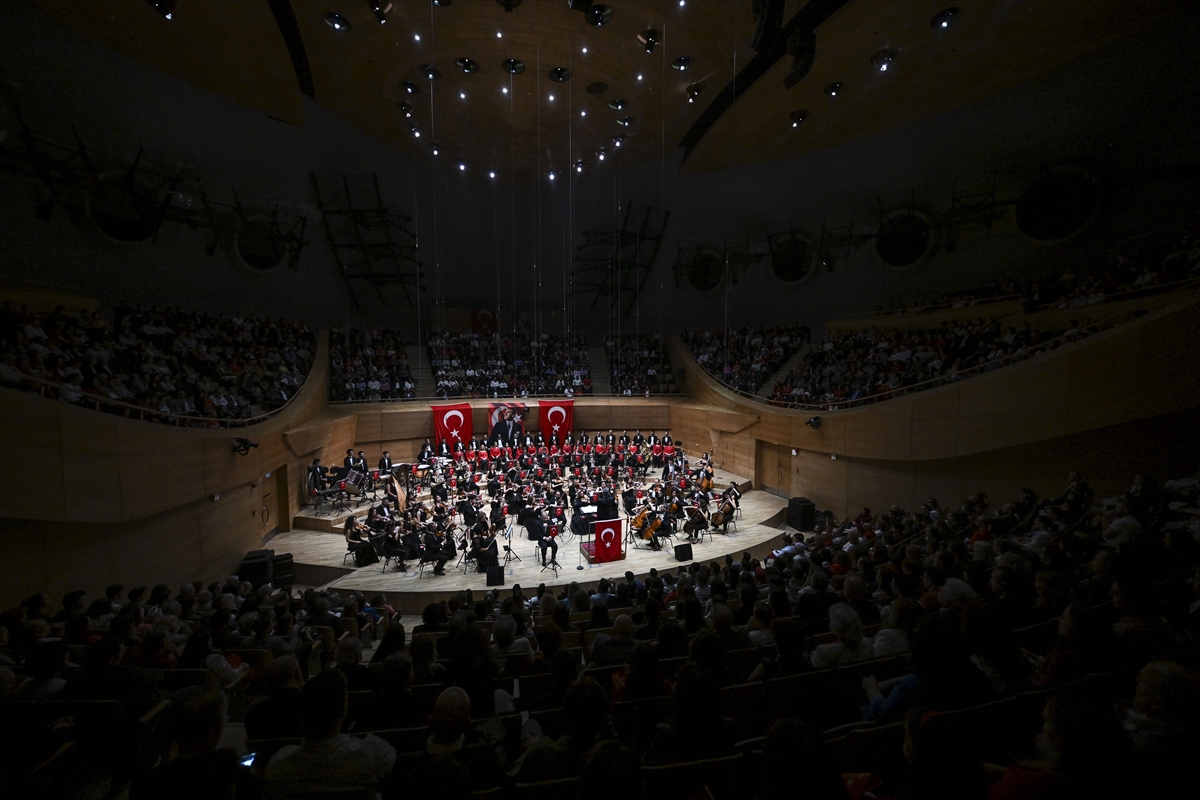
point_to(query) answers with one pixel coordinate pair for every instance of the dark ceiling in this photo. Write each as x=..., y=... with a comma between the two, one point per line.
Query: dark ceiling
x=267, y=54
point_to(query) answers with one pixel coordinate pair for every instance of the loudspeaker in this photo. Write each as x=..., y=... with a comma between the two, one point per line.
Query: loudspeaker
x=683, y=552
x=284, y=571
x=495, y=576
x=802, y=513
x=257, y=567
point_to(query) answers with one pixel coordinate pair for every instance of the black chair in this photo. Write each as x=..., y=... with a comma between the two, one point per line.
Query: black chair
x=428, y=558
x=392, y=552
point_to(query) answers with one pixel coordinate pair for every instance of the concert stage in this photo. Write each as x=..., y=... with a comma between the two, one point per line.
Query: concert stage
x=319, y=557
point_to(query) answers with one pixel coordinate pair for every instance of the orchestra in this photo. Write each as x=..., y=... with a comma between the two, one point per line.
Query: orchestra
x=553, y=491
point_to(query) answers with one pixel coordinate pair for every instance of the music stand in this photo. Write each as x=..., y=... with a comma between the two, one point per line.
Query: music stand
x=509, y=555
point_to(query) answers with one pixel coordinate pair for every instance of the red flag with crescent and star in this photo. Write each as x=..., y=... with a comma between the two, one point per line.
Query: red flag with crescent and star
x=556, y=416
x=483, y=320
x=608, y=540
x=452, y=424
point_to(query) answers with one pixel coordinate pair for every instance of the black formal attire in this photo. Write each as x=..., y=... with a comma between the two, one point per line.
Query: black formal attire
x=426, y=453
x=385, y=465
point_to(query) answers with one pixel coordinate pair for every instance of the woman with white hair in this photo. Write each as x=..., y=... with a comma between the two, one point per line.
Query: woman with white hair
x=851, y=645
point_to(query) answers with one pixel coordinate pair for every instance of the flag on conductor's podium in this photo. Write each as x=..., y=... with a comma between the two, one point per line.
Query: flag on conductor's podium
x=556, y=417
x=483, y=320
x=608, y=540
x=452, y=423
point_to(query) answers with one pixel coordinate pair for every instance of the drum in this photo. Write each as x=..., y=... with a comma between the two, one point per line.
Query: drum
x=356, y=482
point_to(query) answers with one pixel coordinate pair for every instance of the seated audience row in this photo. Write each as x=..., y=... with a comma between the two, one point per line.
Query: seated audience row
x=879, y=364
x=504, y=365
x=750, y=356
x=638, y=364
x=369, y=365
x=168, y=363
x=965, y=630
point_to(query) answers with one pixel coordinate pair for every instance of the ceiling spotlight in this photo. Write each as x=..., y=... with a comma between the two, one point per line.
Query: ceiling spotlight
x=600, y=155
x=884, y=58
x=499, y=35
x=618, y=104
x=598, y=15
x=833, y=88
x=467, y=65
x=813, y=422
x=462, y=167
x=551, y=98
x=585, y=49
x=512, y=66
x=560, y=75
x=406, y=110
x=337, y=21
x=625, y=121
x=583, y=113
x=430, y=72
x=442, y=3
x=945, y=18
x=579, y=166
x=411, y=87
x=798, y=116
x=617, y=140
x=681, y=63
x=693, y=91
x=551, y=176
x=682, y=3
x=504, y=89
x=164, y=7
x=639, y=76
x=380, y=8
x=462, y=95
x=647, y=39
x=417, y=37
x=416, y=131
x=491, y=174
x=434, y=147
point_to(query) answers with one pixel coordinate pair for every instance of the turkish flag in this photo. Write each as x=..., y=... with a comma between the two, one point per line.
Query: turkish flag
x=483, y=320
x=556, y=416
x=452, y=423
x=608, y=538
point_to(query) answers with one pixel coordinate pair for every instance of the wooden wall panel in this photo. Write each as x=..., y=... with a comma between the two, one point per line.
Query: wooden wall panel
x=96, y=492
x=820, y=479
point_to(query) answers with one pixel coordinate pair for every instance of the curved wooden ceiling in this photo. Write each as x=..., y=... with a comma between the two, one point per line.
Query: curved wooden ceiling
x=236, y=48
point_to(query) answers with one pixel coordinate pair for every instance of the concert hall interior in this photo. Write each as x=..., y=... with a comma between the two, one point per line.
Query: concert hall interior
x=556, y=398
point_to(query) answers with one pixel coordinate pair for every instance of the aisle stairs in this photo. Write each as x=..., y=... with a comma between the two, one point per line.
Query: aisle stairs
x=768, y=385
x=598, y=363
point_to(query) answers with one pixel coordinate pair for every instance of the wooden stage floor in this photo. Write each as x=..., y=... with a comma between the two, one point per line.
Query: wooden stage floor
x=319, y=558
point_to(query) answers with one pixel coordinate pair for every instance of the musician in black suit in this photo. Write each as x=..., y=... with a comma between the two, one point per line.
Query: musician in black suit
x=569, y=439
x=360, y=463
x=469, y=511
x=443, y=449
x=493, y=485
x=651, y=440
x=348, y=461
x=426, y=452
x=385, y=462
x=316, y=476
x=438, y=551
x=537, y=531
x=623, y=438
x=583, y=438
x=540, y=441
x=667, y=440
x=638, y=439
x=610, y=440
